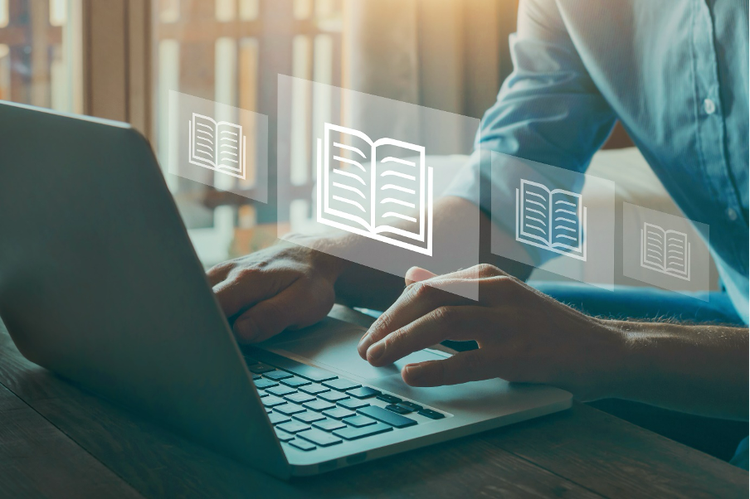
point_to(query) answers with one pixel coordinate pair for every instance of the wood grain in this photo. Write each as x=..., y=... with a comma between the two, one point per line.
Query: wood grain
x=578, y=453
x=159, y=463
x=39, y=460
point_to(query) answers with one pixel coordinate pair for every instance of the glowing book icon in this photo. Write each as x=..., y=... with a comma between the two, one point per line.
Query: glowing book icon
x=369, y=188
x=554, y=220
x=218, y=146
x=665, y=251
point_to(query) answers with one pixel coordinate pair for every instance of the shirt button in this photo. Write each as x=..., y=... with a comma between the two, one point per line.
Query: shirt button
x=731, y=214
x=709, y=106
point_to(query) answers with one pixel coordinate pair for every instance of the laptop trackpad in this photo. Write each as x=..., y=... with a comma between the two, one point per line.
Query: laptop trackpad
x=332, y=344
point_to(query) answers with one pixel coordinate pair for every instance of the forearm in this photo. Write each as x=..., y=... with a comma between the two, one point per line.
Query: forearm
x=699, y=369
x=455, y=219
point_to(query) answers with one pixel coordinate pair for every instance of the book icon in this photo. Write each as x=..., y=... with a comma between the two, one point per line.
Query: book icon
x=366, y=187
x=665, y=251
x=218, y=146
x=554, y=220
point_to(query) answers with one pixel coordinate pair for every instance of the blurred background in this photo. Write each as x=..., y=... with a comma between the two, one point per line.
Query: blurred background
x=119, y=59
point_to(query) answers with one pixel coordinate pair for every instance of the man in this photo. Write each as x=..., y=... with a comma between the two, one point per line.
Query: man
x=676, y=75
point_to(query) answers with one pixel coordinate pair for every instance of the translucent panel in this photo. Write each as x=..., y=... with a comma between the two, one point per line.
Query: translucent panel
x=546, y=220
x=665, y=251
x=211, y=50
x=379, y=188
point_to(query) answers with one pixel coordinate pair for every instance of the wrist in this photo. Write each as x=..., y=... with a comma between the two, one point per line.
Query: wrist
x=631, y=366
x=321, y=253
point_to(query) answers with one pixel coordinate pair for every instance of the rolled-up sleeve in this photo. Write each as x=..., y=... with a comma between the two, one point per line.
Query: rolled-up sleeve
x=548, y=111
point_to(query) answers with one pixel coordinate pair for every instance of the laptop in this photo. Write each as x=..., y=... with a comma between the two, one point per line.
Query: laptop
x=99, y=283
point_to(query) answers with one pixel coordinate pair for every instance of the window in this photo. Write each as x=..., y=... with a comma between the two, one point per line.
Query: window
x=231, y=51
x=119, y=59
x=40, y=53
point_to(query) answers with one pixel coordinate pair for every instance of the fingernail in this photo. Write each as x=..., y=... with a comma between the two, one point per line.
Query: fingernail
x=375, y=352
x=410, y=374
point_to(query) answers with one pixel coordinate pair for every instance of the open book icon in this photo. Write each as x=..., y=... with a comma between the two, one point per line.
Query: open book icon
x=218, y=146
x=665, y=251
x=551, y=219
x=378, y=189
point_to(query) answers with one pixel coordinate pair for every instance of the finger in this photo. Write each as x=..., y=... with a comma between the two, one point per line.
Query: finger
x=417, y=274
x=249, y=286
x=443, y=323
x=473, y=365
x=290, y=308
x=417, y=300
x=495, y=287
x=219, y=272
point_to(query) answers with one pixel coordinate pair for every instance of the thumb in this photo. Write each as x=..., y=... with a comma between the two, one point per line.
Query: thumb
x=417, y=274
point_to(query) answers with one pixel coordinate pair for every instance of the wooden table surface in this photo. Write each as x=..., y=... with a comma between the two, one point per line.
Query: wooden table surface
x=59, y=441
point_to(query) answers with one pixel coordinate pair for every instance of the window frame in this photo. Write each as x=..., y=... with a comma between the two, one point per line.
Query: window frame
x=117, y=61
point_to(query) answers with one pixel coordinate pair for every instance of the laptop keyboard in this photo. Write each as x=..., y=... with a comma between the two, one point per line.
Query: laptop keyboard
x=312, y=408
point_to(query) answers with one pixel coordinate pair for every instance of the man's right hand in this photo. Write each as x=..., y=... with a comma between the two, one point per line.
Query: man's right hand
x=283, y=287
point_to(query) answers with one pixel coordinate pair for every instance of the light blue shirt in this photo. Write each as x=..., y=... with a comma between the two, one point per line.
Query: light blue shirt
x=675, y=73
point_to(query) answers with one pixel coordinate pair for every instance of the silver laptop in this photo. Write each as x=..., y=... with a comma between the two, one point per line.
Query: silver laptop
x=100, y=284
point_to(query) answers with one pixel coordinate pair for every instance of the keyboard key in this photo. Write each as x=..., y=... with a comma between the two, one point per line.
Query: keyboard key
x=280, y=390
x=272, y=401
x=388, y=417
x=277, y=418
x=258, y=367
x=277, y=375
x=329, y=424
x=352, y=404
x=331, y=396
x=359, y=421
x=268, y=410
x=289, y=409
x=352, y=433
x=309, y=417
x=262, y=384
x=341, y=384
x=313, y=389
x=295, y=381
x=293, y=427
x=284, y=436
x=319, y=405
x=308, y=372
x=302, y=444
x=319, y=437
x=256, y=376
x=389, y=398
x=429, y=413
x=398, y=409
x=339, y=413
x=411, y=405
x=299, y=398
x=363, y=392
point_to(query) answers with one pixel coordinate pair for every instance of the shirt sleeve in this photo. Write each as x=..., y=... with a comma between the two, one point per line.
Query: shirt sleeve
x=549, y=111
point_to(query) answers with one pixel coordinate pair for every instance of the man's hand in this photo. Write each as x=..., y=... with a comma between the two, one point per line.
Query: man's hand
x=283, y=287
x=523, y=335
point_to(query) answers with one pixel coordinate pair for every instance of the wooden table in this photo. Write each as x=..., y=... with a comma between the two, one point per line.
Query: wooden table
x=57, y=440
